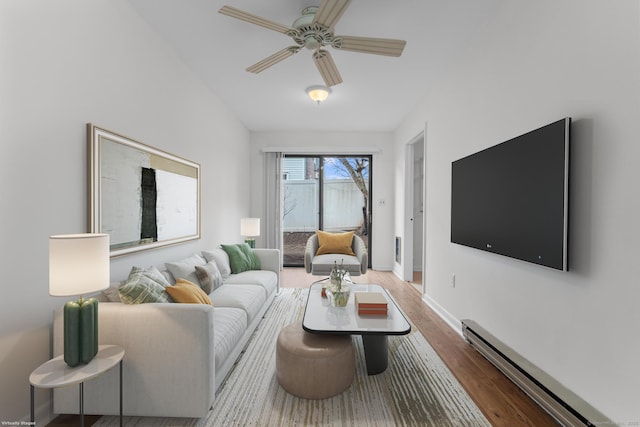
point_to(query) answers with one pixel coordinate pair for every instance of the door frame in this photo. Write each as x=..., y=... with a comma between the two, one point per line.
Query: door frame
x=408, y=244
x=369, y=214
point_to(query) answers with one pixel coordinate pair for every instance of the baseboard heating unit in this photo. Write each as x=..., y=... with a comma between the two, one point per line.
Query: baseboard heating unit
x=562, y=404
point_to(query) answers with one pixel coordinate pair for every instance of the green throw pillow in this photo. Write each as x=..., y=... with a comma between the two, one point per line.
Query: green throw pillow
x=254, y=261
x=241, y=257
x=144, y=286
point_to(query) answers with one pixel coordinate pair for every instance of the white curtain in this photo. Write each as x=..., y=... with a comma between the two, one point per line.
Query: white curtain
x=273, y=201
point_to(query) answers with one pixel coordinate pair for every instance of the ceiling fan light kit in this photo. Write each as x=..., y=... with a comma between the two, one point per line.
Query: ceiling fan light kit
x=314, y=29
x=318, y=93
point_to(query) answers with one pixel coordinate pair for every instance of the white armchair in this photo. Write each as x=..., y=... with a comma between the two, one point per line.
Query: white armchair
x=320, y=265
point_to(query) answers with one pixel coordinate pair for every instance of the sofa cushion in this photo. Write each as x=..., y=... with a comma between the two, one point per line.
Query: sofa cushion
x=209, y=276
x=220, y=257
x=335, y=243
x=187, y=292
x=241, y=258
x=249, y=298
x=265, y=278
x=184, y=269
x=144, y=286
x=230, y=324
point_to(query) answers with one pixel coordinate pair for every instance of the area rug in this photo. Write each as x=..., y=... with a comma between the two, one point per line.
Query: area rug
x=417, y=389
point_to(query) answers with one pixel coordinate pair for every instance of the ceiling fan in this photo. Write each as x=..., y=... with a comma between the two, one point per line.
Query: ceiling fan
x=315, y=30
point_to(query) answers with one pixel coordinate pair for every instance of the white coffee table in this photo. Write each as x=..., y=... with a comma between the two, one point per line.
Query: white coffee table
x=321, y=318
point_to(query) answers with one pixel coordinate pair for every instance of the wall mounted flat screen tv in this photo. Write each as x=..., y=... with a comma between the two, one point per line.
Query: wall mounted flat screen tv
x=512, y=199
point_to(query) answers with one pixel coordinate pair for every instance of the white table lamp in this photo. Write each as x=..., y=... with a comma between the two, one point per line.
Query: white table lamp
x=78, y=265
x=250, y=228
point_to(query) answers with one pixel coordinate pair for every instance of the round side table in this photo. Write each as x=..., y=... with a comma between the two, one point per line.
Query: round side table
x=56, y=373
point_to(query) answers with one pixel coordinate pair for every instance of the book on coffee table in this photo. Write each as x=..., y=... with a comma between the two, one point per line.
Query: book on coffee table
x=370, y=303
x=375, y=311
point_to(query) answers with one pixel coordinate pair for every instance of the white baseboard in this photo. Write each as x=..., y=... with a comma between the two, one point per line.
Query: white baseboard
x=449, y=319
x=382, y=268
x=397, y=270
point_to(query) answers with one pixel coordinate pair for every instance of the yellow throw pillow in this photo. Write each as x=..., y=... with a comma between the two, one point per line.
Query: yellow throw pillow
x=335, y=243
x=187, y=292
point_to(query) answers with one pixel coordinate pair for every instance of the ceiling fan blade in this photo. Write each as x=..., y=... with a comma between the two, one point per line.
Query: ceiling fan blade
x=330, y=11
x=281, y=55
x=253, y=19
x=327, y=67
x=388, y=47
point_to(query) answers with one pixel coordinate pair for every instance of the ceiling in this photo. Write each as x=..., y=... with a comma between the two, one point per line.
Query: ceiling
x=377, y=92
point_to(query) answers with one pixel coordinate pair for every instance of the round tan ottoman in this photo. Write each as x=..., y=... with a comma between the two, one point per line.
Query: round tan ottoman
x=314, y=366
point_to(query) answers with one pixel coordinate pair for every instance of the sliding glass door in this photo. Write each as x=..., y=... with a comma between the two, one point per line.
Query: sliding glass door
x=301, y=204
x=329, y=193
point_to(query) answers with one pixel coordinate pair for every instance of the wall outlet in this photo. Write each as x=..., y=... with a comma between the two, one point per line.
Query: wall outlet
x=453, y=280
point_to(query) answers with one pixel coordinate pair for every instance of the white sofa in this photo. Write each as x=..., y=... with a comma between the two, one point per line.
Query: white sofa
x=176, y=355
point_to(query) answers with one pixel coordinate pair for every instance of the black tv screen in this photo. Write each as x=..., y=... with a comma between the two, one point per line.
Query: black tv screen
x=512, y=199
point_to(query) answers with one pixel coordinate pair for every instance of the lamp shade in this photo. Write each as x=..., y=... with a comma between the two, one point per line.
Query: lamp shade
x=250, y=227
x=78, y=264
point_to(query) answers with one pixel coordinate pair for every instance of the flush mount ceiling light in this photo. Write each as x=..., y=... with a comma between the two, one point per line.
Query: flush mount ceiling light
x=318, y=93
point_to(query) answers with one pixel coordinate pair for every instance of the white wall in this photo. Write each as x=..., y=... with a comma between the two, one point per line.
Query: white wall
x=64, y=64
x=535, y=63
x=338, y=143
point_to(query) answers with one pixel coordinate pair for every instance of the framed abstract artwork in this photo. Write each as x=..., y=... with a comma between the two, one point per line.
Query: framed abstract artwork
x=141, y=196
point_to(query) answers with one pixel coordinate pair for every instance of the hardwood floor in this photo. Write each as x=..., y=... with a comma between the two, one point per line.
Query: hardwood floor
x=500, y=400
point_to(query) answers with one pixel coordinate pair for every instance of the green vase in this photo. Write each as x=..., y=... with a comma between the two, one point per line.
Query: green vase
x=72, y=333
x=80, y=331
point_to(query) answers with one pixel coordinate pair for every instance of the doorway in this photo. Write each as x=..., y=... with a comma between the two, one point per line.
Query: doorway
x=413, y=266
x=328, y=192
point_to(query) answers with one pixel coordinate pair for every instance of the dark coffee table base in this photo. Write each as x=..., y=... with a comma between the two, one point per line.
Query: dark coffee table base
x=376, y=353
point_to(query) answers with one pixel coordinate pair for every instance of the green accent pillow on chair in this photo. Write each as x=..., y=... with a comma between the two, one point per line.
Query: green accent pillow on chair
x=241, y=257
